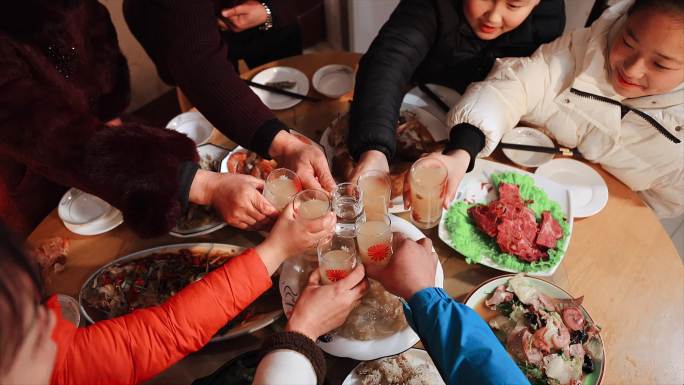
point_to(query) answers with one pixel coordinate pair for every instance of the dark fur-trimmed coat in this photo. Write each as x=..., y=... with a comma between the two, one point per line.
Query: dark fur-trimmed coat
x=62, y=76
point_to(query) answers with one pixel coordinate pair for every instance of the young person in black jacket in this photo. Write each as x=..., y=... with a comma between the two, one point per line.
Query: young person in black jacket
x=448, y=42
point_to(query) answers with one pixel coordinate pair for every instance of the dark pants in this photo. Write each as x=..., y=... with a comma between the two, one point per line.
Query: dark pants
x=259, y=47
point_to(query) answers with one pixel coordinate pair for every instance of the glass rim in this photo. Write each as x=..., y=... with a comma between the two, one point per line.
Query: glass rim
x=375, y=173
x=299, y=194
x=364, y=218
x=426, y=159
x=328, y=241
x=284, y=170
x=355, y=186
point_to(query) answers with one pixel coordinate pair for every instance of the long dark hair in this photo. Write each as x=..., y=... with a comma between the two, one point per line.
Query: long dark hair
x=675, y=7
x=20, y=279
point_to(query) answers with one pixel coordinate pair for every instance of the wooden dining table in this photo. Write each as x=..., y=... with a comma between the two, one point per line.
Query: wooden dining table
x=621, y=260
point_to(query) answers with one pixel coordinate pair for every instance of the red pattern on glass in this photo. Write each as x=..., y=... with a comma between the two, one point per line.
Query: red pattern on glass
x=377, y=253
x=335, y=275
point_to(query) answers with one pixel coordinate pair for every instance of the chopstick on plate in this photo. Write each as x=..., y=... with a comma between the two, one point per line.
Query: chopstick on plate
x=435, y=98
x=549, y=150
x=282, y=92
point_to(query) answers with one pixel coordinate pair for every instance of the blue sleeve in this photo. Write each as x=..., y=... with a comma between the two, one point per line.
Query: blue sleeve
x=461, y=344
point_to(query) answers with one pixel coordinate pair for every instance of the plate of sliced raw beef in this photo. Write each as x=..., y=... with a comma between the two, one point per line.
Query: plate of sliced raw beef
x=509, y=219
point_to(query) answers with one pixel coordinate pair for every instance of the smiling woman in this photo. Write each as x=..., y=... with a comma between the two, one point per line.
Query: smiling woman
x=647, y=55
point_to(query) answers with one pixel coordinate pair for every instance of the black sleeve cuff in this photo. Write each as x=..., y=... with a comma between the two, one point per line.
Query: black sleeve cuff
x=466, y=137
x=388, y=154
x=263, y=137
x=186, y=174
x=299, y=343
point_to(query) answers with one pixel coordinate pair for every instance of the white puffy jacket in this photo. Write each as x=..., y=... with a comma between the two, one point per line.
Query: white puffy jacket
x=563, y=88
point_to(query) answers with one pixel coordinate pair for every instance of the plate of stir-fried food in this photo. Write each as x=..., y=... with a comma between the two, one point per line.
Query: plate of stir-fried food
x=150, y=277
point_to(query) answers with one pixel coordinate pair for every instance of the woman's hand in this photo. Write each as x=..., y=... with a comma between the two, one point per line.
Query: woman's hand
x=411, y=268
x=290, y=236
x=236, y=197
x=372, y=160
x=303, y=157
x=322, y=308
x=242, y=17
x=456, y=163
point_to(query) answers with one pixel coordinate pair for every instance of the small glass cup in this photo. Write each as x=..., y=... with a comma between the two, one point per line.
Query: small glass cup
x=428, y=183
x=336, y=258
x=376, y=191
x=311, y=204
x=346, y=203
x=374, y=237
x=281, y=186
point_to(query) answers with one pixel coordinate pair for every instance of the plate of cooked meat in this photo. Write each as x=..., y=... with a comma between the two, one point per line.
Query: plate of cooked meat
x=509, y=220
x=413, y=366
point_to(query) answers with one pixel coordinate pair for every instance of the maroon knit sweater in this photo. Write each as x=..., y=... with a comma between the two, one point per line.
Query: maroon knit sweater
x=183, y=39
x=61, y=76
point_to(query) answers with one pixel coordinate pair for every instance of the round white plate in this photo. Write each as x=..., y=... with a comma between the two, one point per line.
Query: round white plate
x=333, y=80
x=481, y=292
x=418, y=98
x=529, y=136
x=415, y=356
x=589, y=190
x=361, y=350
x=194, y=125
x=86, y=214
x=279, y=74
x=100, y=226
x=474, y=187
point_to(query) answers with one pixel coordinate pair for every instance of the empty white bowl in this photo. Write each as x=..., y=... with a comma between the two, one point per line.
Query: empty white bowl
x=333, y=80
x=194, y=125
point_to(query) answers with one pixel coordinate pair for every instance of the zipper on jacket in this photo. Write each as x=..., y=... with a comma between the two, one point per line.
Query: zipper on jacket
x=625, y=109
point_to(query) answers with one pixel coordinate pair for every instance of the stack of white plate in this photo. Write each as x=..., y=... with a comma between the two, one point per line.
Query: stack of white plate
x=86, y=214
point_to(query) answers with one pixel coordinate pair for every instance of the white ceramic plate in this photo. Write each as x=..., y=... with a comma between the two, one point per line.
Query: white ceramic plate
x=213, y=153
x=333, y=80
x=418, y=98
x=194, y=125
x=415, y=356
x=437, y=129
x=86, y=214
x=257, y=322
x=279, y=74
x=474, y=188
x=361, y=350
x=589, y=190
x=480, y=294
x=529, y=136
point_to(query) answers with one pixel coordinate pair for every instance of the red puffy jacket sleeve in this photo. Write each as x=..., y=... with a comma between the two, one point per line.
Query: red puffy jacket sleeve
x=133, y=348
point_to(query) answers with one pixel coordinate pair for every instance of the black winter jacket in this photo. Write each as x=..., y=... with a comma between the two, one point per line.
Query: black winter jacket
x=430, y=41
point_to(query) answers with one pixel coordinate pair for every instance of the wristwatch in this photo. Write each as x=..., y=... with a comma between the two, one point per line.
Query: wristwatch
x=268, y=24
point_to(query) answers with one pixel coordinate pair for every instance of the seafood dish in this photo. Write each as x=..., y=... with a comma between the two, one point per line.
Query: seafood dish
x=249, y=163
x=552, y=340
